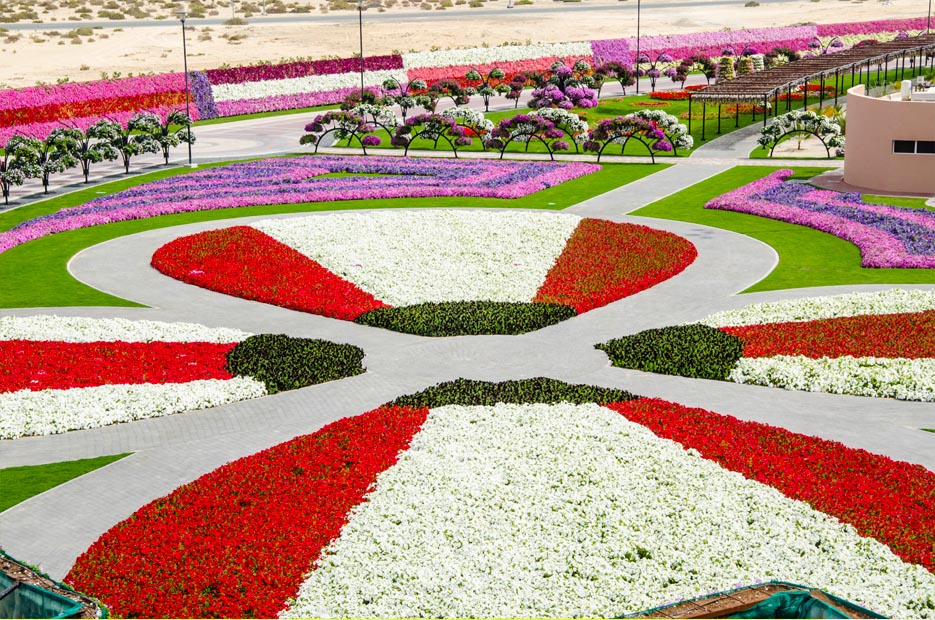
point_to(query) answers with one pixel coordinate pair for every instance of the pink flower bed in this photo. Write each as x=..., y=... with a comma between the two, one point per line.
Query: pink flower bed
x=262, y=73
x=435, y=74
x=881, y=25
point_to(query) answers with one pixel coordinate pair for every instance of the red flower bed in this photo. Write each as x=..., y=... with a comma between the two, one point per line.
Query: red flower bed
x=237, y=542
x=41, y=365
x=245, y=262
x=89, y=107
x=604, y=261
x=891, y=501
x=910, y=335
x=670, y=95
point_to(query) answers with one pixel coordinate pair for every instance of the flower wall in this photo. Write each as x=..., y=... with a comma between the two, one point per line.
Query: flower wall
x=272, y=87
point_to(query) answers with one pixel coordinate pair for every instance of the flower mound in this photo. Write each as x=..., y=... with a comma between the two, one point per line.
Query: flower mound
x=887, y=236
x=434, y=272
x=299, y=180
x=525, y=498
x=864, y=344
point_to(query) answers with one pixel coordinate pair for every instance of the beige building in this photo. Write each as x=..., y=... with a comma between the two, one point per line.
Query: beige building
x=891, y=142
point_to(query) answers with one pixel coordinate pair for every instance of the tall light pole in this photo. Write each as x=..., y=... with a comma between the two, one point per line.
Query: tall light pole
x=637, y=63
x=928, y=21
x=188, y=97
x=360, y=26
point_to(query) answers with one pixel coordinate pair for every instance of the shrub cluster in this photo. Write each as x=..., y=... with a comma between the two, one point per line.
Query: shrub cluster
x=286, y=363
x=695, y=351
x=537, y=390
x=467, y=318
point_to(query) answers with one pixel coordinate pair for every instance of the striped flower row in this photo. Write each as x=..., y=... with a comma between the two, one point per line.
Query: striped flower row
x=887, y=236
x=535, y=508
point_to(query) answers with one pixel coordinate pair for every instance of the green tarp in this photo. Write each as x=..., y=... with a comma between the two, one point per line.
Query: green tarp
x=28, y=601
x=790, y=605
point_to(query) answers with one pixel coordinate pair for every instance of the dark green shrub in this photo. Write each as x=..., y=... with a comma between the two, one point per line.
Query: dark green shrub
x=537, y=390
x=695, y=351
x=286, y=363
x=467, y=318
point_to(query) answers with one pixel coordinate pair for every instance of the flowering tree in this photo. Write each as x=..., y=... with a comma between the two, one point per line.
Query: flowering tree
x=473, y=122
x=53, y=155
x=705, y=64
x=655, y=67
x=639, y=126
x=345, y=125
x=526, y=128
x=517, y=84
x=173, y=131
x=355, y=98
x=431, y=127
x=490, y=84
x=566, y=87
x=444, y=89
x=402, y=94
x=96, y=144
x=18, y=164
x=802, y=122
x=623, y=74
x=571, y=124
x=136, y=138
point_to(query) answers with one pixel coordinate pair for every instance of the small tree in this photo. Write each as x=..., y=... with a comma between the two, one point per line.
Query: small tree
x=655, y=67
x=566, y=87
x=136, y=138
x=490, y=85
x=55, y=154
x=623, y=74
x=18, y=164
x=176, y=129
x=517, y=84
x=443, y=89
x=96, y=144
x=345, y=125
x=706, y=65
x=402, y=94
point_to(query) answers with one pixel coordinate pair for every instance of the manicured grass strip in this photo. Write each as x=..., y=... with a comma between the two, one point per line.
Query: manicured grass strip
x=467, y=318
x=237, y=542
x=807, y=257
x=35, y=274
x=897, y=201
x=891, y=501
x=21, y=483
x=469, y=392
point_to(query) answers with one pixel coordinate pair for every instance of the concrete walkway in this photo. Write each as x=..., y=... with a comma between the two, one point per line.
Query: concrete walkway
x=52, y=529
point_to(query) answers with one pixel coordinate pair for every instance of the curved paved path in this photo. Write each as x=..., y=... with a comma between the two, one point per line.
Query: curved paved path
x=53, y=528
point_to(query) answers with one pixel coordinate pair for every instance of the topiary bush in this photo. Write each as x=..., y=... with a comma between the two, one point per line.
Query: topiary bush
x=286, y=363
x=467, y=318
x=537, y=390
x=695, y=351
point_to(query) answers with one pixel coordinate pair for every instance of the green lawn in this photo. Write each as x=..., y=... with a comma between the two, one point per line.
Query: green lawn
x=21, y=483
x=35, y=274
x=807, y=257
x=898, y=201
x=244, y=117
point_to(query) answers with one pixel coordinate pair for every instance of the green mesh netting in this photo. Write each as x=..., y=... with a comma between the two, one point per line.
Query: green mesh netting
x=790, y=605
x=28, y=601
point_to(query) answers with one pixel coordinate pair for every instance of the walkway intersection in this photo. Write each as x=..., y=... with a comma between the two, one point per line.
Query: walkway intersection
x=52, y=529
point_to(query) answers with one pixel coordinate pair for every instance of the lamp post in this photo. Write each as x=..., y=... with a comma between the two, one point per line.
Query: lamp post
x=360, y=26
x=928, y=20
x=188, y=97
x=637, y=63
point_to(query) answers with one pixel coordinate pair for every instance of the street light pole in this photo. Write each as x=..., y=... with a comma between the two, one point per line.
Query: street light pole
x=188, y=97
x=928, y=21
x=637, y=63
x=360, y=26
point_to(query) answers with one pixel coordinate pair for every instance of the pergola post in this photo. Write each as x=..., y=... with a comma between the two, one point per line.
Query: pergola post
x=805, y=95
x=689, y=114
x=719, y=118
x=821, y=93
x=704, y=120
x=836, y=88
x=736, y=115
x=765, y=109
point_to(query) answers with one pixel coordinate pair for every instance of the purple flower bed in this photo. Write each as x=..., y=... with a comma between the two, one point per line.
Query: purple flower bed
x=202, y=96
x=298, y=180
x=261, y=73
x=882, y=25
x=887, y=236
x=275, y=103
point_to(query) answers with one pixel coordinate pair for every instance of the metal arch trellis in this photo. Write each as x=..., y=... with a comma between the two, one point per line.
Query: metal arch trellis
x=348, y=134
x=529, y=135
x=795, y=131
x=623, y=144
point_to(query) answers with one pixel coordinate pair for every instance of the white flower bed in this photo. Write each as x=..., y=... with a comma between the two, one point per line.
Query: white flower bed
x=48, y=412
x=904, y=379
x=411, y=257
x=572, y=510
x=812, y=308
x=485, y=55
x=83, y=329
x=297, y=86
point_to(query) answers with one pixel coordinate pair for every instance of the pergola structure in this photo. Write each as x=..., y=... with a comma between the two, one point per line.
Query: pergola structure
x=768, y=85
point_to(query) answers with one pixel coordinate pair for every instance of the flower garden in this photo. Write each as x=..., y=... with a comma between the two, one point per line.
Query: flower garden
x=531, y=493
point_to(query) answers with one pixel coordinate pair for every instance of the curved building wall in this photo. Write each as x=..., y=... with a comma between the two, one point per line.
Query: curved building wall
x=873, y=126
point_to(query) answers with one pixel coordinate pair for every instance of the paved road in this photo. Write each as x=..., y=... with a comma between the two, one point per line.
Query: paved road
x=52, y=529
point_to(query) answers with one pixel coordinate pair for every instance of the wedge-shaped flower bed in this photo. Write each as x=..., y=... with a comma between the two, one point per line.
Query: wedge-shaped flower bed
x=524, y=498
x=864, y=344
x=300, y=179
x=887, y=236
x=62, y=374
x=433, y=272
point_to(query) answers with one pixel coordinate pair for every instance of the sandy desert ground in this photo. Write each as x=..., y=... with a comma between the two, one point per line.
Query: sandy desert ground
x=57, y=49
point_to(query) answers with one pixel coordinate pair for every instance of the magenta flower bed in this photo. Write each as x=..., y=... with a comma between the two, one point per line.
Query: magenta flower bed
x=882, y=25
x=434, y=74
x=888, y=237
x=261, y=73
x=73, y=92
x=299, y=180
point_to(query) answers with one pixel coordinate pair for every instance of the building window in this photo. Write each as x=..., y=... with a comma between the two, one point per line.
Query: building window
x=914, y=147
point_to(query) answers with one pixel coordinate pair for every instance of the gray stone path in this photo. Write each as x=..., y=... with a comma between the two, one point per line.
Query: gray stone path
x=53, y=528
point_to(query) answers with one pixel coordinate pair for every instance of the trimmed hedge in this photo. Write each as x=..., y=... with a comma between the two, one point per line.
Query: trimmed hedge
x=467, y=318
x=538, y=390
x=286, y=363
x=696, y=351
